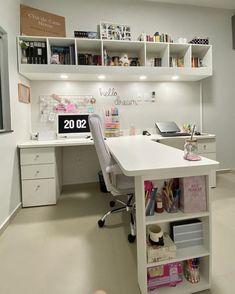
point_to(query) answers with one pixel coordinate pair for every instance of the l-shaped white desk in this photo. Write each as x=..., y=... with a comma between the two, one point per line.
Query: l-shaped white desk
x=144, y=159
x=41, y=164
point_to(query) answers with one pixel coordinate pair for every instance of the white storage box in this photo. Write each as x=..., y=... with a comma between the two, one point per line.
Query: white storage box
x=158, y=253
x=187, y=233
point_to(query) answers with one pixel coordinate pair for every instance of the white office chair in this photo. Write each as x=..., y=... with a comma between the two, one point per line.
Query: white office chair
x=116, y=182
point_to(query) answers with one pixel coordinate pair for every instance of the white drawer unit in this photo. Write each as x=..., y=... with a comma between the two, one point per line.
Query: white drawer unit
x=42, y=171
x=38, y=192
x=206, y=146
x=37, y=156
x=38, y=176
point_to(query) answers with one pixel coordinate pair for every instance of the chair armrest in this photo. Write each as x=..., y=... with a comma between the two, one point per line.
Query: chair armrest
x=114, y=169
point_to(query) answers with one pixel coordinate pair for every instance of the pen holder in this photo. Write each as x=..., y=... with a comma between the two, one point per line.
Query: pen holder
x=192, y=271
x=171, y=204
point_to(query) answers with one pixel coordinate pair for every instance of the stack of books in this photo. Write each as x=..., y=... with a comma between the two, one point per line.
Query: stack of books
x=89, y=59
x=196, y=62
x=176, y=61
x=66, y=54
x=157, y=62
x=36, y=52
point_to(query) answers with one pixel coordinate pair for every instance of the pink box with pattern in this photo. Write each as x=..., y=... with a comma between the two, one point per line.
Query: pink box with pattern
x=165, y=275
x=193, y=194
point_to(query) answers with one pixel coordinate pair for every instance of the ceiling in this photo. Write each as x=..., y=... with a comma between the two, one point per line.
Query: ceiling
x=225, y=4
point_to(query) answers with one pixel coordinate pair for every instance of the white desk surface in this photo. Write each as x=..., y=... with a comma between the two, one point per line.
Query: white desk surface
x=82, y=141
x=202, y=136
x=139, y=155
x=56, y=143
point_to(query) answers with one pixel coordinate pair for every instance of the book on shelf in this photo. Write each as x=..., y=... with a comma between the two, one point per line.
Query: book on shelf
x=196, y=62
x=150, y=200
x=176, y=61
x=66, y=54
x=36, y=52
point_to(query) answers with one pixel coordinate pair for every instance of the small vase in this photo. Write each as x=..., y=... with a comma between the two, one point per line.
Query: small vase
x=23, y=56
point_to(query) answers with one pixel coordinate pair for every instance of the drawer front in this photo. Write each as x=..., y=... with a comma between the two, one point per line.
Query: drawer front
x=211, y=156
x=206, y=146
x=42, y=171
x=38, y=192
x=37, y=156
x=174, y=142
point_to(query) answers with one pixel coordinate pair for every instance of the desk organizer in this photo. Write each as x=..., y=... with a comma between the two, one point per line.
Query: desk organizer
x=157, y=253
x=192, y=270
x=193, y=194
x=165, y=275
x=187, y=233
x=111, y=122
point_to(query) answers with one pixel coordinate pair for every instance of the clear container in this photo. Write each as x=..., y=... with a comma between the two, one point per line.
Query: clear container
x=132, y=130
x=171, y=204
x=191, y=149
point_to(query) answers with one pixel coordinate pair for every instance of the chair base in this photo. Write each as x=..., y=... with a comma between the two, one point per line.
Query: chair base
x=130, y=208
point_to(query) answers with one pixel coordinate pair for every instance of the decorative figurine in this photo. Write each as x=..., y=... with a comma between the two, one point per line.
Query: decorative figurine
x=124, y=61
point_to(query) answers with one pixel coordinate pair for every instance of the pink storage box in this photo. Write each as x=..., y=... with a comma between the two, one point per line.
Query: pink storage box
x=165, y=275
x=193, y=194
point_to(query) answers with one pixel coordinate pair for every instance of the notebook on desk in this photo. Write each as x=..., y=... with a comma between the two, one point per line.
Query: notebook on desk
x=169, y=129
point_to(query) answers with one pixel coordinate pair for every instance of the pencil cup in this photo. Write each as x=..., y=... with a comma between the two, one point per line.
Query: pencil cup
x=171, y=204
x=191, y=271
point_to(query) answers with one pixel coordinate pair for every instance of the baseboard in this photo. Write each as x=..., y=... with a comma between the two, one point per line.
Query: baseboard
x=5, y=224
x=74, y=187
x=224, y=170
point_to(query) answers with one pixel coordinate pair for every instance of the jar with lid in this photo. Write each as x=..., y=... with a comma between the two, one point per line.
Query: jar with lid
x=191, y=150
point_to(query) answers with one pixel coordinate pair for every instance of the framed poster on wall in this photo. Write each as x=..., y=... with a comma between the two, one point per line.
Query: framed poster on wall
x=35, y=22
x=23, y=93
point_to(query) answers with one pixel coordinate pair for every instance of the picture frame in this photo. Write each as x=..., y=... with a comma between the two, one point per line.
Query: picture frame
x=112, y=31
x=23, y=93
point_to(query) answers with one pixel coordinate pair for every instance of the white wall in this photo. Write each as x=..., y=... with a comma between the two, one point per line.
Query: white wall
x=178, y=21
x=20, y=114
x=172, y=99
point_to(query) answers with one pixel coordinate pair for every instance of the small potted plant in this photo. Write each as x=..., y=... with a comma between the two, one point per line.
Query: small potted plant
x=24, y=46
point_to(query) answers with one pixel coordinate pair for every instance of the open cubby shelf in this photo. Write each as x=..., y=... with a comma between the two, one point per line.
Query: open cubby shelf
x=174, y=60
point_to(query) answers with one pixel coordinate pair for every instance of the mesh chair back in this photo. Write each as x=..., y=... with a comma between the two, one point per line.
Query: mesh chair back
x=102, y=150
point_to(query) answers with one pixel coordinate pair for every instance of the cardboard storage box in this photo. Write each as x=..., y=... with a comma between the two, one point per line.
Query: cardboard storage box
x=158, y=253
x=193, y=194
x=187, y=233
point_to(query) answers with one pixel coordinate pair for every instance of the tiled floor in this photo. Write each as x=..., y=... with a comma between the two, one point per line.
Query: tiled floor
x=60, y=250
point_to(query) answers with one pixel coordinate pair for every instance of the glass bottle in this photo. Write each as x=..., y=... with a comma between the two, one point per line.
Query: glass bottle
x=132, y=130
x=159, y=203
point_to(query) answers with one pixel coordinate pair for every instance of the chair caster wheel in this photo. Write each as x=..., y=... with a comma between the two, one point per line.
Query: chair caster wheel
x=112, y=203
x=131, y=238
x=100, y=223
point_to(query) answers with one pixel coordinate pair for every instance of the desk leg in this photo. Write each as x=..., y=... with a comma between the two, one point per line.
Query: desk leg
x=141, y=234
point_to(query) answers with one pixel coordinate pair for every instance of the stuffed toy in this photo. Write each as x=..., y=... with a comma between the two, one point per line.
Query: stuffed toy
x=124, y=61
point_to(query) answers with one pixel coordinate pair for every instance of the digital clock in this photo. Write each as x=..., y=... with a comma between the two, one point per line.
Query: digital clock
x=72, y=124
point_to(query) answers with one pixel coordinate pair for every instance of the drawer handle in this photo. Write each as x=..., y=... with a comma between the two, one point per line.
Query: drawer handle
x=204, y=147
x=37, y=172
x=36, y=157
x=38, y=187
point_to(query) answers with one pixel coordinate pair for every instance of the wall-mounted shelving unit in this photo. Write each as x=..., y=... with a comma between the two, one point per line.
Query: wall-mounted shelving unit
x=145, y=51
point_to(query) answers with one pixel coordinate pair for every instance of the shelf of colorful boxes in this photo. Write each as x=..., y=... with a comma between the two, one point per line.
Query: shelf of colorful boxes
x=111, y=122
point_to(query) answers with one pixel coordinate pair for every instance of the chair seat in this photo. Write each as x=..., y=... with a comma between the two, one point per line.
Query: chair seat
x=125, y=184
